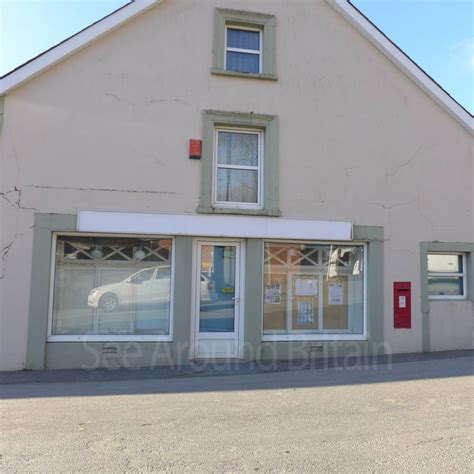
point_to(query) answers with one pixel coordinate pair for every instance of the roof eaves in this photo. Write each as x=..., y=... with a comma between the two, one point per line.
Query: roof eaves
x=403, y=61
x=74, y=43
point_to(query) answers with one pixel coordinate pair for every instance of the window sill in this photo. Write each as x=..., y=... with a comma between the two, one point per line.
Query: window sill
x=313, y=337
x=109, y=338
x=263, y=76
x=247, y=212
x=448, y=298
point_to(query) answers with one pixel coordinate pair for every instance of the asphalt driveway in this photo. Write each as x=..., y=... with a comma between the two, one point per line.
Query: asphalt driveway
x=412, y=416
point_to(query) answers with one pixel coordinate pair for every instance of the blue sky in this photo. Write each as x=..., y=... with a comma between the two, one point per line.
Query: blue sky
x=437, y=34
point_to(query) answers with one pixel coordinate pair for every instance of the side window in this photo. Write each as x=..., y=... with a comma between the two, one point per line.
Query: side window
x=244, y=44
x=446, y=276
x=239, y=166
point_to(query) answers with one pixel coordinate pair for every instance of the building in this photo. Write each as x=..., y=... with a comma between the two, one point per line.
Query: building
x=329, y=210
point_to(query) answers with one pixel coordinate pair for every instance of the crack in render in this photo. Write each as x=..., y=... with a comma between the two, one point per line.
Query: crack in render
x=405, y=163
x=17, y=204
x=347, y=171
x=5, y=252
x=391, y=206
x=107, y=190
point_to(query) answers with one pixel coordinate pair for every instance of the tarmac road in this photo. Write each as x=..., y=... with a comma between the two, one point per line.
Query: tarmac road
x=411, y=417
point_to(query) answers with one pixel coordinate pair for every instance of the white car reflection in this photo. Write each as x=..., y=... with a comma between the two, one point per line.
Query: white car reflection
x=149, y=285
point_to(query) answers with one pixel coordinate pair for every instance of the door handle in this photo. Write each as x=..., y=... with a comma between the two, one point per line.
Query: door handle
x=237, y=300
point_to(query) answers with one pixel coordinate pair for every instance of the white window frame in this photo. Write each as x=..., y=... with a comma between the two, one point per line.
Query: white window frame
x=317, y=336
x=107, y=337
x=462, y=274
x=259, y=168
x=241, y=50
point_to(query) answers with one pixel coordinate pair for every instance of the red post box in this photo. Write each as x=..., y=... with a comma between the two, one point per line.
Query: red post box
x=402, y=304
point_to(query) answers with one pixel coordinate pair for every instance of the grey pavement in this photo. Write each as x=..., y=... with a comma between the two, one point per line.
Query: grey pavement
x=410, y=417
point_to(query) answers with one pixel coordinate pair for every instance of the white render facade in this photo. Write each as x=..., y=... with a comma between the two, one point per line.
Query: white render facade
x=359, y=170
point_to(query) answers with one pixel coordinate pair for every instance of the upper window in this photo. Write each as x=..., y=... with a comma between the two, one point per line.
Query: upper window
x=244, y=44
x=238, y=167
x=239, y=171
x=111, y=288
x=243, y=50
x=446, y=276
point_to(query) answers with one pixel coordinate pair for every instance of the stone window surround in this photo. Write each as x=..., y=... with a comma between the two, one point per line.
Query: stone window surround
x=466, y=248
x=269, y=125
x=267, y=23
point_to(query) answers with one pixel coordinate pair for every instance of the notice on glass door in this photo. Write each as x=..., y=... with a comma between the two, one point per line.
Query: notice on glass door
x=336, y=293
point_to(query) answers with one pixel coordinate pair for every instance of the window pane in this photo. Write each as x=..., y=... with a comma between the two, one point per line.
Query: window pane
x=439, y=263
x=112, y=286
x=237, y=185
x=446, y=286
x=310, y=288
x=243, y=62
x=217, y=304
x=237, y=149
x=243, y=39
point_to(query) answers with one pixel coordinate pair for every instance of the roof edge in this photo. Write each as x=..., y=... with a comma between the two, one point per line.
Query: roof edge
x=74, y=43
x=346, y=9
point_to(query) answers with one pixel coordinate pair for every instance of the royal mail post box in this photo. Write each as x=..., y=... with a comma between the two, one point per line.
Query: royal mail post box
x=402, y=304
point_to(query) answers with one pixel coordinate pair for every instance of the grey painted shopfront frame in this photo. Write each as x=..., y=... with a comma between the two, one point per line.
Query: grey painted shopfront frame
x=466, y=248
x=55, y=355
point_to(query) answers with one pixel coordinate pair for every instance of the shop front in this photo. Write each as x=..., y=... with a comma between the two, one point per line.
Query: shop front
x=121, y=293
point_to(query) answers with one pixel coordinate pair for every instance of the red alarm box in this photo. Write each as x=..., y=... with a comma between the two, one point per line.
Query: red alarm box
x=195, y=149
x=402, y=304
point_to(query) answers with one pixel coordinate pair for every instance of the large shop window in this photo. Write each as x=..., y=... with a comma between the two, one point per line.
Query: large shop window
x=106, y=287
x=313, y=289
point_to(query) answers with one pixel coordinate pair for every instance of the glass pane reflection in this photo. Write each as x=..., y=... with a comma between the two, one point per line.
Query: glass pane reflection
x=217, y=291
x=115, y=286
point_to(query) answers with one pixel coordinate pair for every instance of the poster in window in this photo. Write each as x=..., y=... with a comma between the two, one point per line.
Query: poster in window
x=304, y=312
x=336, y=293
x=306, y=287
x=273, y=292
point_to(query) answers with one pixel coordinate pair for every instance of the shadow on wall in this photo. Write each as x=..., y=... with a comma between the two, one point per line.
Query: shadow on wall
x=249, y=376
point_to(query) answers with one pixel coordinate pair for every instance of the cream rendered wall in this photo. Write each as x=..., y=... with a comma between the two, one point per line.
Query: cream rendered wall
x=108, y=128
x=449, y=321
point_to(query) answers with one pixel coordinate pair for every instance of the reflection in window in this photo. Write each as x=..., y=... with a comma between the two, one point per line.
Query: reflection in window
x=114, y=286
x=312, y=288
x=446, y=276
x=217, y=292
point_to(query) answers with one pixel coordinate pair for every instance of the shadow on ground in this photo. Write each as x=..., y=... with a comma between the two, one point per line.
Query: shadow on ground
x=248, y=376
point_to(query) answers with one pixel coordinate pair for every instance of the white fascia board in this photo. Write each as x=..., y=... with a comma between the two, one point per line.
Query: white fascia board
x=350, y=13
x=199, y=225
x=74, y=44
